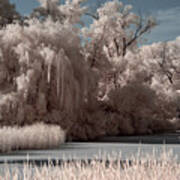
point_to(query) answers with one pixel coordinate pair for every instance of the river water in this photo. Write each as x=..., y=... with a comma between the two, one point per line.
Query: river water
x=86, y=151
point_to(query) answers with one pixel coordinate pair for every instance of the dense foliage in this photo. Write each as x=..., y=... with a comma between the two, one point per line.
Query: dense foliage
x=7, y=13
x=92, y=81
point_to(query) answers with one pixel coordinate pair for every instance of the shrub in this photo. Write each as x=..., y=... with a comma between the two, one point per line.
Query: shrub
x=36, y=136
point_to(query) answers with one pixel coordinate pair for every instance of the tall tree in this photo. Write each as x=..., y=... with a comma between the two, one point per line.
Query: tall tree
x=8, y=13
x=69, y=11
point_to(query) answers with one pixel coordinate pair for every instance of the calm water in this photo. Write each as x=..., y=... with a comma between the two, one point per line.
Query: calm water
x=83, y=151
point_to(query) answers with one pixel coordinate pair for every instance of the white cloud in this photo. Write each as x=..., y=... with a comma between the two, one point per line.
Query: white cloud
x=168, y=27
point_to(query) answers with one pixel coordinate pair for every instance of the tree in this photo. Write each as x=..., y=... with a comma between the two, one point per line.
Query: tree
x=7, y=13
x=115, y=31
x=46, y=74
x=70, y=11
x=53, y=70
x=112, y=30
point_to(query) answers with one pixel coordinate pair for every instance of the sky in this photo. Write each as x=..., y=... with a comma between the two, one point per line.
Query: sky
x=166, y=12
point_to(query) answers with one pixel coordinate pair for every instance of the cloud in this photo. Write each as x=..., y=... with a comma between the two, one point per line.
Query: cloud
x=168, y=27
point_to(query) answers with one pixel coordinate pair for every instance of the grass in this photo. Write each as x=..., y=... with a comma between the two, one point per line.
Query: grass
x=36, y=136
x=146, y=168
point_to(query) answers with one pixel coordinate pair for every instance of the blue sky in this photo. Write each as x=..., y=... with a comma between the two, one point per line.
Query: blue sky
x=166, y=12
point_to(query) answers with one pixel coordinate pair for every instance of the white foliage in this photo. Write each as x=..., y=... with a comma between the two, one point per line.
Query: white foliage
x=71, y=11
x=107, y=33
x=36, y=136
x=48, y=74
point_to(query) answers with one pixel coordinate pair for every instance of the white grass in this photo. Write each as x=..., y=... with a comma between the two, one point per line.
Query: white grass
x=36, y=136
x=148, y=168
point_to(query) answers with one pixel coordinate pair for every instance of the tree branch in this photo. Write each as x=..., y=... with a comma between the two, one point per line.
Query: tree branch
x=96, y=17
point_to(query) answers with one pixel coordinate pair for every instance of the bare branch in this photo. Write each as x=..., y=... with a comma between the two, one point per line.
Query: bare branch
x=162, y=64
x=140, y=30
x=124, y=46
x=96, y=48
x=117, y=46
x=109, y=50
x=94, y=16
